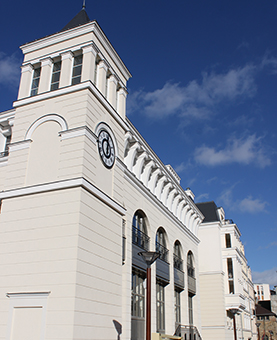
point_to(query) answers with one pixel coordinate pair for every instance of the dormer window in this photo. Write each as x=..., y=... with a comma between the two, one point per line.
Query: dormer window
x=77, y=69
x=35, y=83
x=56, y=75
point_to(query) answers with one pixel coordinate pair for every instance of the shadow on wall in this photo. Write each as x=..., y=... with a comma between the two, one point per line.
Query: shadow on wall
x=118, y=328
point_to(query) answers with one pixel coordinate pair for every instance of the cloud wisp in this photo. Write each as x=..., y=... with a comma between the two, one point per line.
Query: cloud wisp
x=196, y=100
x=9, y=70
x=244, y=151
x=267, y=276
x=246, y=205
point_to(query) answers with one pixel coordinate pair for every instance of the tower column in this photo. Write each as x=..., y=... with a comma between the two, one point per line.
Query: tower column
x=89, y=62
x=102, y=76
x=121, y=101
x=66, y=69
x=45, y=77
x=25, y=81
x=112, y=87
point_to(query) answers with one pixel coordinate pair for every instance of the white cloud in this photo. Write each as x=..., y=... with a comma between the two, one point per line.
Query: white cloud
x=238, y=150
x=252, y=205
x=267, y=276
x=197, y=100
x=245, y=205
x=9, y=70
x=271, y=62
x=202, y=197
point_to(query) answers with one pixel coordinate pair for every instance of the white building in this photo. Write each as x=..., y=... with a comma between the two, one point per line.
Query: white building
x=262, y=291
x=226, y=288
x=81, y=194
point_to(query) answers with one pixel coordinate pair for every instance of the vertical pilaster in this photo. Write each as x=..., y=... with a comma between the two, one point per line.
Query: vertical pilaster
x=102, y=76
x=121, y=101
x=66, y=69
x=89, y=62
x=45, y=76
x=25, y=81
x=112, y=87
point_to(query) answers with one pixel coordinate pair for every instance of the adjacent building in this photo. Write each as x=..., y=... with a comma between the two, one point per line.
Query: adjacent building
x=266, y=323
x=226, y=288
x=262, y=291
x=82, y=193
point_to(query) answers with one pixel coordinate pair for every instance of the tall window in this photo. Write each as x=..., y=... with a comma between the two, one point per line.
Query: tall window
x=230, y=276
x=177, y=258
x=160, y=307
x=191, y=270
x=161, y=245
x=190, y=296
x=177, y=305
x=35, y=82
x=77, y=69
x=228, y=240
x=56, y=76
x=138, y=294
x=139, y=236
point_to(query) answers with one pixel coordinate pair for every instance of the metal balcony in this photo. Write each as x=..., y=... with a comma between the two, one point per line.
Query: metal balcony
x=140, y=239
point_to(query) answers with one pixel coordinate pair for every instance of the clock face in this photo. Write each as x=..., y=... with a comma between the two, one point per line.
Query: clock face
x=106, y=148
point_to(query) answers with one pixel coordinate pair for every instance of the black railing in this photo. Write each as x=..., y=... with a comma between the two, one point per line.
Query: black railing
x=140, y=238
x=178, y=262
x=163, y=252
x=191, y=271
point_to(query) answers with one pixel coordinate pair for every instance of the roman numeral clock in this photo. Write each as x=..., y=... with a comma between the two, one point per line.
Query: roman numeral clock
x=106, y=149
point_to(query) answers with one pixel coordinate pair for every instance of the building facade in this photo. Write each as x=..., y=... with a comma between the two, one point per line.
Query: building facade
x=266, y=323
x=82, y=193
x=262, y=291
x=226, y=288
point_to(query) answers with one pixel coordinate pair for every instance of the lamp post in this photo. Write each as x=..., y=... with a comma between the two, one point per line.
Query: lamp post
x=234, y=312
x=258, y=325
x=149, y=257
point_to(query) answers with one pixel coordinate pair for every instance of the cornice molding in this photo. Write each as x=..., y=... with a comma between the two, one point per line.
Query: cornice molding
x=62, y=185
x=71, y=89
x=91, y=27
x=79, y=131
x=130, y=177
x=24, y=144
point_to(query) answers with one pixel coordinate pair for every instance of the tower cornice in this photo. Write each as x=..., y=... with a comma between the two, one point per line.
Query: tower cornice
x=91, y=27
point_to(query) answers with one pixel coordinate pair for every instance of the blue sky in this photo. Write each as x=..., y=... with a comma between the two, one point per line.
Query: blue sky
x=203, y=95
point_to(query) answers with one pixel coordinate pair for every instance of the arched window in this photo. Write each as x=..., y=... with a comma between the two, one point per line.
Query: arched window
x=177, y=257
x=191, y=270
x=139, y=231
x=161, y=244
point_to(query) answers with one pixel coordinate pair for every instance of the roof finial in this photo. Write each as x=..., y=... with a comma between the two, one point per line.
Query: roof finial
x=84, y=4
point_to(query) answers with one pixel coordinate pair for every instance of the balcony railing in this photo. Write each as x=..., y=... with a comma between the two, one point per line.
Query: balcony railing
x=140, y=239
x=188, y=332
x=191, y=271
x=163, y=252
x=178, y=262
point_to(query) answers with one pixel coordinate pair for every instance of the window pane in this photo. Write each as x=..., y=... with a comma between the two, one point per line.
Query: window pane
x=76, y=80
x=57, y=66
x=78, y=60
x=77, y=71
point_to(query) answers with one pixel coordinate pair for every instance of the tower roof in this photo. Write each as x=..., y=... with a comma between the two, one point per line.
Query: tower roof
x=80, y=19
x=208, y=209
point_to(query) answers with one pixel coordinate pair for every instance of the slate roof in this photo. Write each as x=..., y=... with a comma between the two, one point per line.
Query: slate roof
x=261, y=311
x=80, y=19
x=209, y=210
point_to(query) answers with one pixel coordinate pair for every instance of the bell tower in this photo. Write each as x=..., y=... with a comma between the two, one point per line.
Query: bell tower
x=62, y=193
